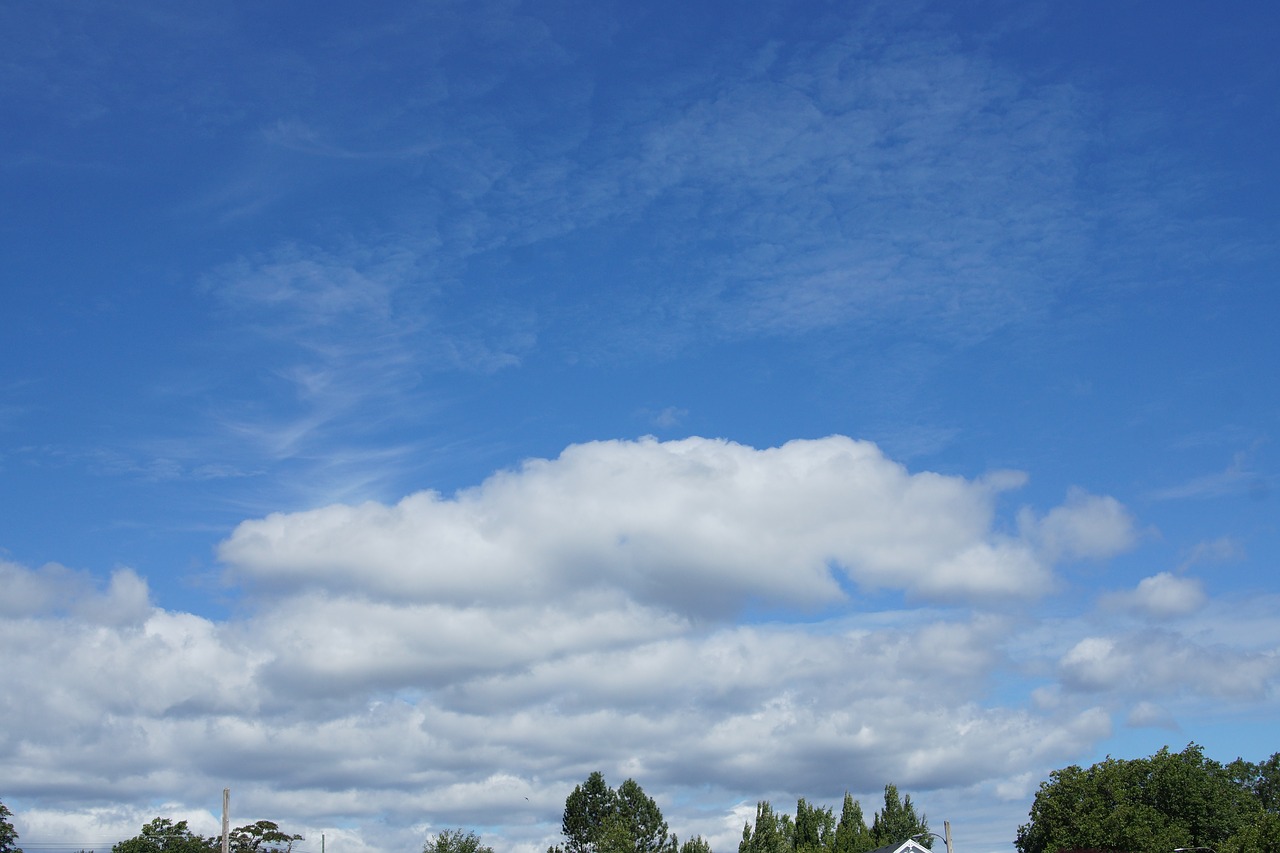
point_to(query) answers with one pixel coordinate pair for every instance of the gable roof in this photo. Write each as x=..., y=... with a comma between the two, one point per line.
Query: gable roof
x=908, y=846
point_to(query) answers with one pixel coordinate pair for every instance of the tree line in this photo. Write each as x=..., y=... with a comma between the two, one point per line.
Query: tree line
x=597, y=819
x=1159, y=804
x=165, y=836
x=600, y=819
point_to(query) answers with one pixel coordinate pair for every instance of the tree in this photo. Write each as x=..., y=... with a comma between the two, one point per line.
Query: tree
x=697, y=844
x=8, y=835
x=164, y=836
x=598, y=819
x=1260, y=836
x=455, y=841
x=1145, y=805
x=265, y=836
x=586, y=810
x=772, y=833
x=614, y=836
x=852, y=835
x=897, y=821
x=1266, y=784
x=642, y=818
x=814, y=828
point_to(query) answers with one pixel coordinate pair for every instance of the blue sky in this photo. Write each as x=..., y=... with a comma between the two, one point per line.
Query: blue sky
x=407, y=410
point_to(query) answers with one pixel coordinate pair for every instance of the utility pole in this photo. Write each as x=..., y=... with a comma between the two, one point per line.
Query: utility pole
x=227, y=806
x=946, y=828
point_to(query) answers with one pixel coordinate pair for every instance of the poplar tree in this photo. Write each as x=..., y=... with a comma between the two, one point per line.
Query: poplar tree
x=898, y=820
x=852, y=835
x=814, y=828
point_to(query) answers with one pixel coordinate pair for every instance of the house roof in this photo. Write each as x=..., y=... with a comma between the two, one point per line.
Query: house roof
x=908, y=846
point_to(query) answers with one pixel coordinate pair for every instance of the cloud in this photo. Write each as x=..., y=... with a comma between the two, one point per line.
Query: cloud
x=1150, y=715
x=558, y=617
x=181, y=706
x=1217, y=550
x=1086, y=526
x=55, y=589
x=465, y=660
x=1238, y=477
x=1160, y=663
x=698, y=526
x=665, y=418
x=1161, y=596
x=32, y=592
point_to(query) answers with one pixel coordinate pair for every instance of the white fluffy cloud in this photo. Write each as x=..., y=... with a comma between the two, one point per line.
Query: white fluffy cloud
x=1160, y=663
x=1161, y=596
x=1085, y=526
x=467, y=659
x=698, y=526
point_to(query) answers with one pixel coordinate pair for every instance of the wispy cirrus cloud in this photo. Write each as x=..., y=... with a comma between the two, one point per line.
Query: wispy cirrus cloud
x=339, y=351
x=1237, y=478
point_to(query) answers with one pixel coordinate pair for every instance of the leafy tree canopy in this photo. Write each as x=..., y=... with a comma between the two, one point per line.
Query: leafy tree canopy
x=772, y=833
x=455, y=841
x=1155, y=805
x=815, y=828
x=265, y=836
x=8, y=835
x=897, y=821
x=599, y=819
x=852, y=835
x=642, y=819
x=164, y=836
x=697, y=844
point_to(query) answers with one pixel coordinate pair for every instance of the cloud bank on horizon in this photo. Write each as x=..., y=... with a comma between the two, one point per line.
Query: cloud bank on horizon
x=470, y=657
x=406, y=411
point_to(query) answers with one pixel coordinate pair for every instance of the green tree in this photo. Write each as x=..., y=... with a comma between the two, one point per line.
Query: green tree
x=598, y=819
x=697, y=844
x=8, y=835
x=615, y=836
x=772, y=832
x=164, y=836
x=1262, y=835
x=1266, y=785
x=897, y=821
x=643, y=820
x=852, y=835
x=264, y=836
x=455, y=841
x=1145, y=805
x=586, y=810
x=814, y=828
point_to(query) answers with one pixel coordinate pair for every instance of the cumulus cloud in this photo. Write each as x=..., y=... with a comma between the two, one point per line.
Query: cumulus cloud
x=1149, y=714
x=30, y=592
x=1085, y=526
x=466, y=659
x=1161, y=596
x=53, y=588
x=698, y=526
x=1160, y=663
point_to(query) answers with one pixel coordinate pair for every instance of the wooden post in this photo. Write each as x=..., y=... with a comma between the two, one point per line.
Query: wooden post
x=227, y=804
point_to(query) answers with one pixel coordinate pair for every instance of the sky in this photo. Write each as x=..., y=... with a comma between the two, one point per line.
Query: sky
x=407, y=409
